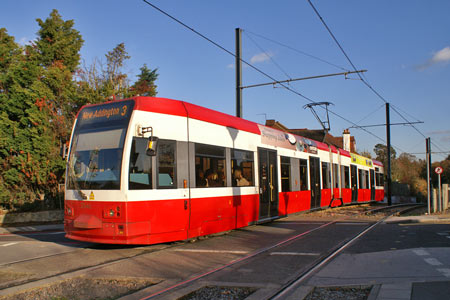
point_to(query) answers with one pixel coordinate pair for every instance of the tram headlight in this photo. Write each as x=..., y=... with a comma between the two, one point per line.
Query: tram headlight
x=69, y=211
x=111, y=212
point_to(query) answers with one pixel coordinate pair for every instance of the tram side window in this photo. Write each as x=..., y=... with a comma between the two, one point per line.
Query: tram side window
x=303, y=175
x=285, y=174
x=326, y=176
x=361, y=179
x=380, y=179
x=140, y=165
x=345, y=171
x=242, y=163
x=366, y=175
x=335, y=176
x=166, y=164
x=377, y=179
x=210, y=169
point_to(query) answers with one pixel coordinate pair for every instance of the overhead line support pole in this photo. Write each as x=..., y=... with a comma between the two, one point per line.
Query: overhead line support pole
x=388, y=146
x=239, y=73
x=429, y=187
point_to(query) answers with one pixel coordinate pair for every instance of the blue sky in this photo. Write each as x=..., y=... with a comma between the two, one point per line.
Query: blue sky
x=404, y=45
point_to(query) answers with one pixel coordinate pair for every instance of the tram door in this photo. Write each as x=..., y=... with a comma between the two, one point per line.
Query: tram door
x=314, y=174
x=354, y=177
x=268, y=184
x=372, y=185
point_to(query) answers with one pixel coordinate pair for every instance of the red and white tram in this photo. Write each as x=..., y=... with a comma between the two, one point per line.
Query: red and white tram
x=152, y=170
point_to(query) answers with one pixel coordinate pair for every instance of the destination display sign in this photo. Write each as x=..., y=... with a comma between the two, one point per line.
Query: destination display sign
x=110, y=112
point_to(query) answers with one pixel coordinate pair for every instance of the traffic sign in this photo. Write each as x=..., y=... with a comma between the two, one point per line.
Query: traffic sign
x=438, y=170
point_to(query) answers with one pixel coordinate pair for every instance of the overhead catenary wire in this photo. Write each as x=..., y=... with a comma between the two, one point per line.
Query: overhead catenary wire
x=258, y=70
x=359, y=75
x=268, y=55
x=296, y=50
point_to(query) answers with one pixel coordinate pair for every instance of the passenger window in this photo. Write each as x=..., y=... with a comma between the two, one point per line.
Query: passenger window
x=210, y=168
x=242, y=167
x=285, y=174
x=361, y=179
x=166, y=164
x=326, y=176
x=366, y=174
x=140, y=170
x=303, y=175
x=335, y=176
x=345, y=171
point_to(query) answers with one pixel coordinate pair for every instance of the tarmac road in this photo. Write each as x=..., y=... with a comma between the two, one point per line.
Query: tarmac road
x=401, y=261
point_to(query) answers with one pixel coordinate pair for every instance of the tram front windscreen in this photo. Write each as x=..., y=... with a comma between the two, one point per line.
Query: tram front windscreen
x=96, y=151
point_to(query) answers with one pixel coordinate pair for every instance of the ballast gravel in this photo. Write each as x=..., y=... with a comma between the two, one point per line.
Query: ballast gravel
x=219, y=293
x=339, y=293
x=83, y=288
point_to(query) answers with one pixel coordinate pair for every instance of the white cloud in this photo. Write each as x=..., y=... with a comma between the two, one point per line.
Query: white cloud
x=23, y=41
x=260, y=57
x=231, y=66
x=440, y=57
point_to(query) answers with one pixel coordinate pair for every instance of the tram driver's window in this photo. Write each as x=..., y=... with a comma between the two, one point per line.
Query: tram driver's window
x=242, y=167
x=210, y=166
x=140, y=165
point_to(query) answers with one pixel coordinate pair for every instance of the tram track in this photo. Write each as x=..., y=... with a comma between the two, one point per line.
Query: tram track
x=324, y=259
x=165, y=247
x=284, y=291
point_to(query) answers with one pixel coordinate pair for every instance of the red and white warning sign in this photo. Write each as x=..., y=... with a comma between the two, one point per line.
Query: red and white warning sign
x=438, y=170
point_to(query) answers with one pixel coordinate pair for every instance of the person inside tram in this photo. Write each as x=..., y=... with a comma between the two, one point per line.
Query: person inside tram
x=211, y=178
x=239, y=179
x=201, y=180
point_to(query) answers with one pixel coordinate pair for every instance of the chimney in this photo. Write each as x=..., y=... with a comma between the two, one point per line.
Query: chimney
x=346, y=140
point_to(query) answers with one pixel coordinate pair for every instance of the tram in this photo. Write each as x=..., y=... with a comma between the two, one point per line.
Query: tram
x=150, y=170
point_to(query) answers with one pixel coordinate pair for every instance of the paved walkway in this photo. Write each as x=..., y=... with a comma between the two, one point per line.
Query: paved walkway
x=416, y=274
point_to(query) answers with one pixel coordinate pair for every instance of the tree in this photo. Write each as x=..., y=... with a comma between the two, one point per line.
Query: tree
x=36, y=94
x=58, y=41
x=366, y=153
x=116, y=81
x=145, y=85
x=407, y=169
x=99, y=82
x=381, y=154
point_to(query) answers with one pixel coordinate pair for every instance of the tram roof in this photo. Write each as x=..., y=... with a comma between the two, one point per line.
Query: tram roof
x=186, y=109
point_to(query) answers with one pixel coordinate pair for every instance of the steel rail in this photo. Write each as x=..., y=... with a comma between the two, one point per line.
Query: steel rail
x=289, y=287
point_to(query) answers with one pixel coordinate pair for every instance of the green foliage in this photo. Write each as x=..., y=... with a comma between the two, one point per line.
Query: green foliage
x=59, y=42
x=145, y=85
x=407, y=169
x=37, y=86
x=41, y=90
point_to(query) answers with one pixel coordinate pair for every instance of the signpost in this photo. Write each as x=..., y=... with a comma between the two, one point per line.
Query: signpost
x=439, y=170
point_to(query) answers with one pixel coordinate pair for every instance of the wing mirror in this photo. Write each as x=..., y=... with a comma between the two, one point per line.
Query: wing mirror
x=152, y=146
